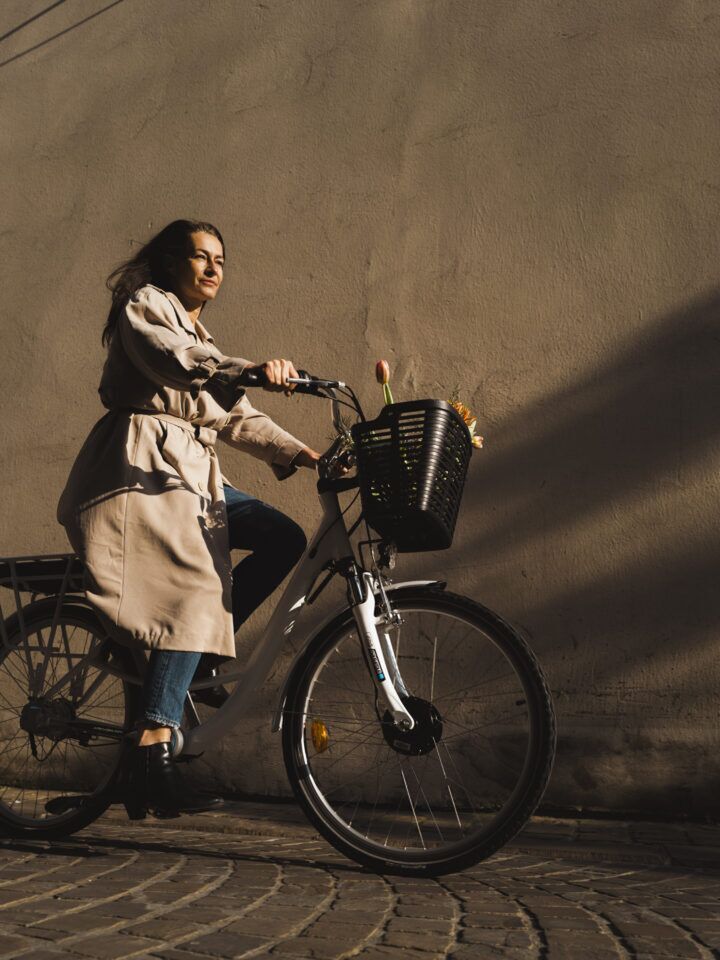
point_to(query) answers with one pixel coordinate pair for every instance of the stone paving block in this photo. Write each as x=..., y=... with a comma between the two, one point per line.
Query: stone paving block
x=419, y=940
x=589, y=952
x=654, y=931
x=512, y=938
x=674, y=948
x=409, y=924
x=391, y=953
x=43, y=954
x=431, y=909
x=127, y=909
x=486, y=952
x=45, y=933
x=162, y=928
x=10, y=944
x=110, y=946
x=567, y=923
x=703, y=924
x=314, y=948
x=497, y=907
x=361, y=905
x=177, y=953
x=224, y=944
x=495, y=921
x=330, y=931
x=358, y=916
x=74, y=923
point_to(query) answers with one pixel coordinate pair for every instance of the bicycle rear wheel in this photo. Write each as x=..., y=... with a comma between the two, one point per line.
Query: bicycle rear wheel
x=462, y=783
x=61, y=719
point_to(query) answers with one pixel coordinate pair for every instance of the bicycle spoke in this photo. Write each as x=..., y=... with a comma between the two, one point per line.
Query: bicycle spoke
x=74, y=694
x=412, y=807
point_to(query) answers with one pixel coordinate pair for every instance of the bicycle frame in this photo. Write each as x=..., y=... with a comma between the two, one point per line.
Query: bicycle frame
x=330, y=543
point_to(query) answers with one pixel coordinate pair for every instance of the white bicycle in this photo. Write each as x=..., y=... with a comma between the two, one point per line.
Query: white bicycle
x=417, y=728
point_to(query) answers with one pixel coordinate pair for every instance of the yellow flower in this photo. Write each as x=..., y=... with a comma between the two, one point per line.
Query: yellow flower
x=470, y=422
x=463, y=411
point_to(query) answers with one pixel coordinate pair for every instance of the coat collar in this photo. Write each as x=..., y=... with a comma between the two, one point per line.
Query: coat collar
x=185, y=322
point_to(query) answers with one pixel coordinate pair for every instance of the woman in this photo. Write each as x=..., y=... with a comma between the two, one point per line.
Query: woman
x=145, y=502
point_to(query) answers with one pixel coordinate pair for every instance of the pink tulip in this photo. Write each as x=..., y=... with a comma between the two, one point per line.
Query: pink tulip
x=382, y=371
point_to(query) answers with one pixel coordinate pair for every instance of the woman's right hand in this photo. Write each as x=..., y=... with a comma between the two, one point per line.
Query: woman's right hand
x=276, y=373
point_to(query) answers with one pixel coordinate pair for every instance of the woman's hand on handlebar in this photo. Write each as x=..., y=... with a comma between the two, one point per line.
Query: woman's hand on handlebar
x=307, y=458
x=275, y=374
x=310, y=458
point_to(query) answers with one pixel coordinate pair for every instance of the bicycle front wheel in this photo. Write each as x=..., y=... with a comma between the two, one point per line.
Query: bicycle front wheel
x=467, y=777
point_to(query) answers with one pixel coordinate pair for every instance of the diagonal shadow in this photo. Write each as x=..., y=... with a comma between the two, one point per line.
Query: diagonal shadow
x=617, y=466
x=640, y=420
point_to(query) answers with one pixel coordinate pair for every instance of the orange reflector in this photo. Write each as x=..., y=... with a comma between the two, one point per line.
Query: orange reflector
x=320, y=735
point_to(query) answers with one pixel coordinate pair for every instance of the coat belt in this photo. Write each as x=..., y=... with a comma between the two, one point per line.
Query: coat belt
x=205, y=435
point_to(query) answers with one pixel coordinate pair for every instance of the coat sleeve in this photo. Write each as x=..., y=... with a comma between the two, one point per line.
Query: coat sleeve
x=161, y=349
x=255, y=433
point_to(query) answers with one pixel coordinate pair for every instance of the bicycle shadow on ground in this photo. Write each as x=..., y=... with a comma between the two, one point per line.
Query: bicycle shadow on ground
x=98, y=847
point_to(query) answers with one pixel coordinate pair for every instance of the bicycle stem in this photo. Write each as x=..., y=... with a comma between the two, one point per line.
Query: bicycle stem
x=361, y=597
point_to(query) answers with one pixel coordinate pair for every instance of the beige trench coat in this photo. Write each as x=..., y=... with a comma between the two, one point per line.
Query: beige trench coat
x=144, y=506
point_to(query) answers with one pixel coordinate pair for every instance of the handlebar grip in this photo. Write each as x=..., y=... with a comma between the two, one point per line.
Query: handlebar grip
x=255, y=377
x=306, y=387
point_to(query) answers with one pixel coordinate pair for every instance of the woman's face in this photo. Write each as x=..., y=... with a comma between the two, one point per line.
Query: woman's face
x=198, y=275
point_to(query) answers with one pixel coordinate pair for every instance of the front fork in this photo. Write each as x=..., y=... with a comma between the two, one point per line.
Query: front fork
x=378, y=651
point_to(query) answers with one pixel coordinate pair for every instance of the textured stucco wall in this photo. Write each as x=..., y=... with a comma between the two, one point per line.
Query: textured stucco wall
x=519, y=198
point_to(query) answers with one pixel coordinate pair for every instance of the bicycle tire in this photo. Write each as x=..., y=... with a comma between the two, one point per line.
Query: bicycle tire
x=25, y=815
x=303, y=766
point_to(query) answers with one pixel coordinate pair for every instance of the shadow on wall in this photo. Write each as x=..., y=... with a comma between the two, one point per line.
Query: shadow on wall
x=602, y=495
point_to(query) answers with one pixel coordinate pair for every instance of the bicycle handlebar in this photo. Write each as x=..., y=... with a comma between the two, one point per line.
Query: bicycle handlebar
x=304, y=383
x=337, y=455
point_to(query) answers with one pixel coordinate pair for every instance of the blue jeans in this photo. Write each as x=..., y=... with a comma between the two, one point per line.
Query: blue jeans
x=276, y=543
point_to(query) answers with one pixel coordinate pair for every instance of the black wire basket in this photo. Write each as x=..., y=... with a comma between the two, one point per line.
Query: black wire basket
x=412, y=462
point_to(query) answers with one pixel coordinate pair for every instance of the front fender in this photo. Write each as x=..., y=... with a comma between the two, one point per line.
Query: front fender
x=389, y=588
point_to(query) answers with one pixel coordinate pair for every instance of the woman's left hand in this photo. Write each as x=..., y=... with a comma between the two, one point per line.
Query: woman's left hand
x=307, y=458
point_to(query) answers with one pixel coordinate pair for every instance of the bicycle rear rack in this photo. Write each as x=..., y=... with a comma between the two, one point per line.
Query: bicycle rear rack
x=48, y=575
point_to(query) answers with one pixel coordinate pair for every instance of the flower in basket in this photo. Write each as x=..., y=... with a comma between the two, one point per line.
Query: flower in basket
x=470, y=420
x=382, y=375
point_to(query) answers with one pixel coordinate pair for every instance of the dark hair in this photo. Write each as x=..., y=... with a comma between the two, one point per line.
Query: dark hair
x=153, y=263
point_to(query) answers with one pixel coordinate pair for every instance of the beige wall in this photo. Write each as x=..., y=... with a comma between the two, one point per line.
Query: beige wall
x=520, y=198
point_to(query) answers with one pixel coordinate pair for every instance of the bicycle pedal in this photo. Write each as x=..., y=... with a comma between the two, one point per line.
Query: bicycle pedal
x=60, y=805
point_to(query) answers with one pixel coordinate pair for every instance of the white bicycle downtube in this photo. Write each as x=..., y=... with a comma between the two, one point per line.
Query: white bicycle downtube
x=364, y=614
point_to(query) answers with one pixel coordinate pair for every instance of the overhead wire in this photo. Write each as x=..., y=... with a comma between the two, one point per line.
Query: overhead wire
x=60, y=33
x=35, y=16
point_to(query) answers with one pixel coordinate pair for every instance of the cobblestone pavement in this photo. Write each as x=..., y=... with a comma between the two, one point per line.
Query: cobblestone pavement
x=255, y=881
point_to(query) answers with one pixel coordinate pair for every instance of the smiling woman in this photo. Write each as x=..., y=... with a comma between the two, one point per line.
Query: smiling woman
x=187, y=257
x=200, y=273
x=147, y=508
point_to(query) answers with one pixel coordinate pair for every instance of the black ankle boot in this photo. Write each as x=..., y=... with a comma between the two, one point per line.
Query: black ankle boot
x=151, y=781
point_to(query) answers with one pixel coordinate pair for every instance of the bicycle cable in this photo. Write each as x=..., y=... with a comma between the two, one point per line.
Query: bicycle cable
x=331, y=525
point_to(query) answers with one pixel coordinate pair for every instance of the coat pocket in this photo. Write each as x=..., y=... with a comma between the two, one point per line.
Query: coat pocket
x=189, y=459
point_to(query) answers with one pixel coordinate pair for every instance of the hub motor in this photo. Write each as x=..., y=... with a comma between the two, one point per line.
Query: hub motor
x=47, y=718
x=424, y=735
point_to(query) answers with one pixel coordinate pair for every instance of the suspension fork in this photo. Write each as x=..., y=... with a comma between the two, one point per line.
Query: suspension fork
x=362, y=602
